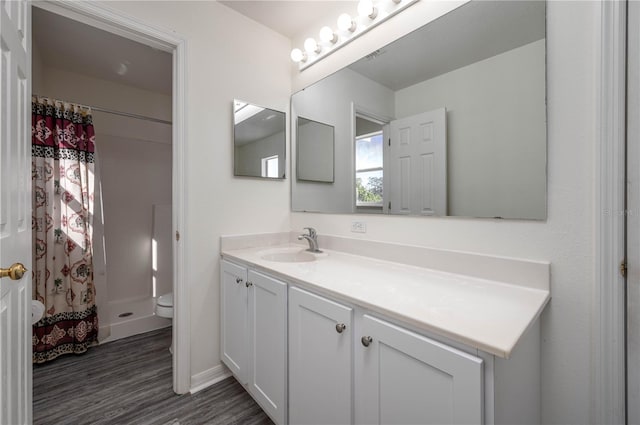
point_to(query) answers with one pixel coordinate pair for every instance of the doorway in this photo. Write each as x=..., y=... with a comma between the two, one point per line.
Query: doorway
x=168, y=43
x=127, y=85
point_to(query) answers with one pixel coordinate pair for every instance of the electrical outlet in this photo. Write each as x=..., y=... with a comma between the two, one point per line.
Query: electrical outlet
x=359, y=227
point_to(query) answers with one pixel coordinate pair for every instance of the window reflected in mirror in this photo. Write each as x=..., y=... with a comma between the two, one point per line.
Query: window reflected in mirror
x=369, y=172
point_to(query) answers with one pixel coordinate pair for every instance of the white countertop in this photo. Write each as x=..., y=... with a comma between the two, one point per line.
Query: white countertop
x=487, y=315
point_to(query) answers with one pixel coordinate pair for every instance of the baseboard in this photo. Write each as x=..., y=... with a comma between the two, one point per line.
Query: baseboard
x=205, y=379
x=104, y=333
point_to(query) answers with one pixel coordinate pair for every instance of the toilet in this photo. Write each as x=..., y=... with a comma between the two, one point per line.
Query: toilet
x=164, y=308
x=164, y=305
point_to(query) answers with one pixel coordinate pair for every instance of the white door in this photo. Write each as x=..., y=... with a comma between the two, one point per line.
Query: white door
x=233, y=306
x=417, y=172
x=410, y=379
x=633, y=218
x=268, y=344
x=15, y=213
x=320, y=347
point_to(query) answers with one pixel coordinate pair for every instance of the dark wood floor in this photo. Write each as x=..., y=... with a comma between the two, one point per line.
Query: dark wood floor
x=129, y=382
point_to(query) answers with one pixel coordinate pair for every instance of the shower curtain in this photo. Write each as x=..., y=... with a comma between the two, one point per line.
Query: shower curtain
x=63, y=147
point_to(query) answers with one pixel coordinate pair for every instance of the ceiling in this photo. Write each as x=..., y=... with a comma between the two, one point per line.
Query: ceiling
x=292, y=18
x=482, y=29
x=72, y=46
x=259, y=126
x=76, y=47
x=473, y=32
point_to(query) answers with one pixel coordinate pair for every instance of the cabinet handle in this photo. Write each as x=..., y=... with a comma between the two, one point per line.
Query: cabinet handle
x=366, y=340
x=340, y=327
x=248, y=284
x=238, y=280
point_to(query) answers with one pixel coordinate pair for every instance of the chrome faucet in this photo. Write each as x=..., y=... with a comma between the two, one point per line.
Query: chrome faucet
x=312, y=238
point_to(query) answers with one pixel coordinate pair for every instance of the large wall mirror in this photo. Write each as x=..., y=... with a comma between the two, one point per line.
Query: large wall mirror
x=259, y=141
x=449, y=120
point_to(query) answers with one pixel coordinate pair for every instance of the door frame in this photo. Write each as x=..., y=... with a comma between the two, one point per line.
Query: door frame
x=129, y=27
x=609, y=356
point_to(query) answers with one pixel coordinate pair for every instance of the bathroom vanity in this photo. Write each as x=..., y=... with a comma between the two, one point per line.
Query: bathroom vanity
x=376, y=333
x=339, y=338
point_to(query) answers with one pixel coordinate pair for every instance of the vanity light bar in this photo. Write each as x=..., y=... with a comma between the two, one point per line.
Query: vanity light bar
x=370, y=14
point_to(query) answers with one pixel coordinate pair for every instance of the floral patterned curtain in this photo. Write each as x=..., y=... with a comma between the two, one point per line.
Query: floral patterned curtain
x=63, y=146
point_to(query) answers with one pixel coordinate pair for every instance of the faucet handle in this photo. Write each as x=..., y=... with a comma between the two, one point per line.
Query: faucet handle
x=312, y=231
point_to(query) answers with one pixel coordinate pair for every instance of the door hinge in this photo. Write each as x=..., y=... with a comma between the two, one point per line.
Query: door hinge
x=389, y=204
x=389, y=141
x=623, y=268
x=177, y=236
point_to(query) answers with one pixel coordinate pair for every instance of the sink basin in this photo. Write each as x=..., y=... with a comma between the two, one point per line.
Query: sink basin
x=288, y=255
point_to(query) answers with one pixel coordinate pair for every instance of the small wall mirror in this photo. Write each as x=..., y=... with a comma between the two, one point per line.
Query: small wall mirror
x=259, y=141
x=315, y=150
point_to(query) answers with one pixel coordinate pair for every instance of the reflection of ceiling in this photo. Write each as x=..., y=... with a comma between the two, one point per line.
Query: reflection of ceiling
x=260, y=126
x=475, y=31
x=292, y=18
x=244, y=111
x=76, y=47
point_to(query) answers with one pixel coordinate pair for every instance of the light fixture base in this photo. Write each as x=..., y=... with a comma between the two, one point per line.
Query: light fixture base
x=357, y=31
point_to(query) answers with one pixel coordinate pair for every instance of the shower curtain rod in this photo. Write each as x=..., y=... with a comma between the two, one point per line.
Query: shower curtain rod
x=127, y=114
x=124, y=114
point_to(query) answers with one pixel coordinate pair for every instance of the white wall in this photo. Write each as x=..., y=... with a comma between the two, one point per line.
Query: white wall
x=315, y=153
x=349, y=87
x=565, y=238
x=248, y=157
x=228, y=57
x=135, y=176
x=135, y=170
x=496, y=132
x=37, y=67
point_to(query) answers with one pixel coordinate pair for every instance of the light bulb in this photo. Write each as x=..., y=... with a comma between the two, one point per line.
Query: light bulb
x=365, y=8
x=311, y=46
x=327, y=35
x=298, y=55
x=345, y=23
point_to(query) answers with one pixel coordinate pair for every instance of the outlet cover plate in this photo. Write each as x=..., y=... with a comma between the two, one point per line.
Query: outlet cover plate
x=359, y=227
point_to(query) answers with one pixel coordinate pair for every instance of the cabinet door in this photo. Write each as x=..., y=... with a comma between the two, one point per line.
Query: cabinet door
x=233, y=306
x=268, y=344
x=320, y=388
x=405, y=378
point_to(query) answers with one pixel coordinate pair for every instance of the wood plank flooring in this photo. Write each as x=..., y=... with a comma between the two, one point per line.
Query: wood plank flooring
x=129, y=382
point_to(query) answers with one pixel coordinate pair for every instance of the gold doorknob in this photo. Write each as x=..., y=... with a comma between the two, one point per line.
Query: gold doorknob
x=15, y=272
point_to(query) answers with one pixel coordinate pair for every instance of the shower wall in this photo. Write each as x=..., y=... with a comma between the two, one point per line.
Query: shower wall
x=134, y=161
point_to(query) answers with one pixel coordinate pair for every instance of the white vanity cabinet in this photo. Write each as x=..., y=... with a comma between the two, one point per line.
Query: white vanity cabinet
x=405, y=378
x=400, y=377
x=308, y=357
x=320, y=360
x=254, y=335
